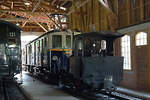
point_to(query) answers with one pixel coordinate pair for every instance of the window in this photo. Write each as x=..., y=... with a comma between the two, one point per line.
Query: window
x=2, y=54
x=125, y=52
x=68, y=41
x=42, y=43
x=57, y=41
x=141, y=39
x=45, y=42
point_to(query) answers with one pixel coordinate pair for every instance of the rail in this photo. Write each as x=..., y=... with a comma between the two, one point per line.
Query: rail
x=9, y=90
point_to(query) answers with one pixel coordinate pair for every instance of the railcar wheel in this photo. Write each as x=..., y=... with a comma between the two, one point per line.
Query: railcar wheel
x=46, y=78
x=60, y=85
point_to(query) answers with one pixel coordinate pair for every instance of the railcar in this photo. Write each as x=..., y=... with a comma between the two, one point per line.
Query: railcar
x=93, y=65
x=48, y=54
x=10, y=49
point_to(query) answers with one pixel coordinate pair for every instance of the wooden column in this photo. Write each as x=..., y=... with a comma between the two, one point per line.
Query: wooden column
x=141, y=10
x=128, y=12
x=148, y=59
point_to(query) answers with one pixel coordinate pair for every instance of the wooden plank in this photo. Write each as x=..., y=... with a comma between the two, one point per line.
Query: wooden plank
x=96, y=14
x=148, y=57
x=141, y=10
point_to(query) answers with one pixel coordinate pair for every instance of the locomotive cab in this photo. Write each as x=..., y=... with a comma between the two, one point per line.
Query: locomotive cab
x=93, y=60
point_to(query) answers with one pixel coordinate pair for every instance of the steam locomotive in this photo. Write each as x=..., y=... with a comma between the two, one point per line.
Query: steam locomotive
x=93, y=64
x=10, y=49
x=86, y=61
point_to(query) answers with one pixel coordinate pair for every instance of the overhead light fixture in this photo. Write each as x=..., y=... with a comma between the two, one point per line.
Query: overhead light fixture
x=27, y=3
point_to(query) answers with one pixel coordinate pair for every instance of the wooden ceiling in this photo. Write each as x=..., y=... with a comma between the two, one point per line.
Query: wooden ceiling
x=36, y=15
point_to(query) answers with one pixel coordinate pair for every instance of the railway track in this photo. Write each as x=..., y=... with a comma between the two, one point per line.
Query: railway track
x=112, y=96
x=101, y=95
x=10, y=91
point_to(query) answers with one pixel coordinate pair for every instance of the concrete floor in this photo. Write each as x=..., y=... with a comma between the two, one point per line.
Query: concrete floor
x=37, y=90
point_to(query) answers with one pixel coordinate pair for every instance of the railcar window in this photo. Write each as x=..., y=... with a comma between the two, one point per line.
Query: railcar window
x=68, y=41
x=57, y=41
x=42, y=43
x=2, y=54
x=38, y=45
x=45, y=42
x=141, y=39
x=125, y=52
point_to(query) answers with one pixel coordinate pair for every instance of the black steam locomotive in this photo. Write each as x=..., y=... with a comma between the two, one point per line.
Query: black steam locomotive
x=10, y=49
x=91, y=66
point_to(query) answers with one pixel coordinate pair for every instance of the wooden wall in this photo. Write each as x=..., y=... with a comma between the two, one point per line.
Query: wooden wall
x=133, y=11
x=139, y=76
x=121, y=13
x=92, y=14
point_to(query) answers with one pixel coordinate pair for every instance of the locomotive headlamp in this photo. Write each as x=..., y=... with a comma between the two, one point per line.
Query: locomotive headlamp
x=94, y=45
x=12, y=46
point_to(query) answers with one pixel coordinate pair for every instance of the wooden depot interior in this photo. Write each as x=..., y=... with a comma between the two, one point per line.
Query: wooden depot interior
x=86, y=15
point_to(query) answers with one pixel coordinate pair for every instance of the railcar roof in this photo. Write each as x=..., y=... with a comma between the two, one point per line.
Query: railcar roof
x=104, y=34
x=50, y=32
x=10, y=24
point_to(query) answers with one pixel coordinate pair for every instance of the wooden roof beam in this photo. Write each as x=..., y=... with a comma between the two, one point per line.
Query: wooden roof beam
x=54, y=9
x=37, y=5
x=53, y=2
x=65, y=0
x=63, y=3
x=77, y=6
x=40, y=25
x=19, y=10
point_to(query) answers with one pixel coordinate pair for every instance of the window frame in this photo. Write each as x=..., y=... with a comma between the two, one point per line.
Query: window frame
x=57, y=41
x=137, y=33
x=129, y=68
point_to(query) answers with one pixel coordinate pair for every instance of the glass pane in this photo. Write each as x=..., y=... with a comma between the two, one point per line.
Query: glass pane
x=45, y=42
x=68, y=41
x=126, y=52
x=2, y=54
x=57, y=41
x=141, y=39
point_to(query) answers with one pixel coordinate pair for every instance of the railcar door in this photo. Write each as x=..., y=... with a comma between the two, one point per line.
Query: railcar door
x=141, y=60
